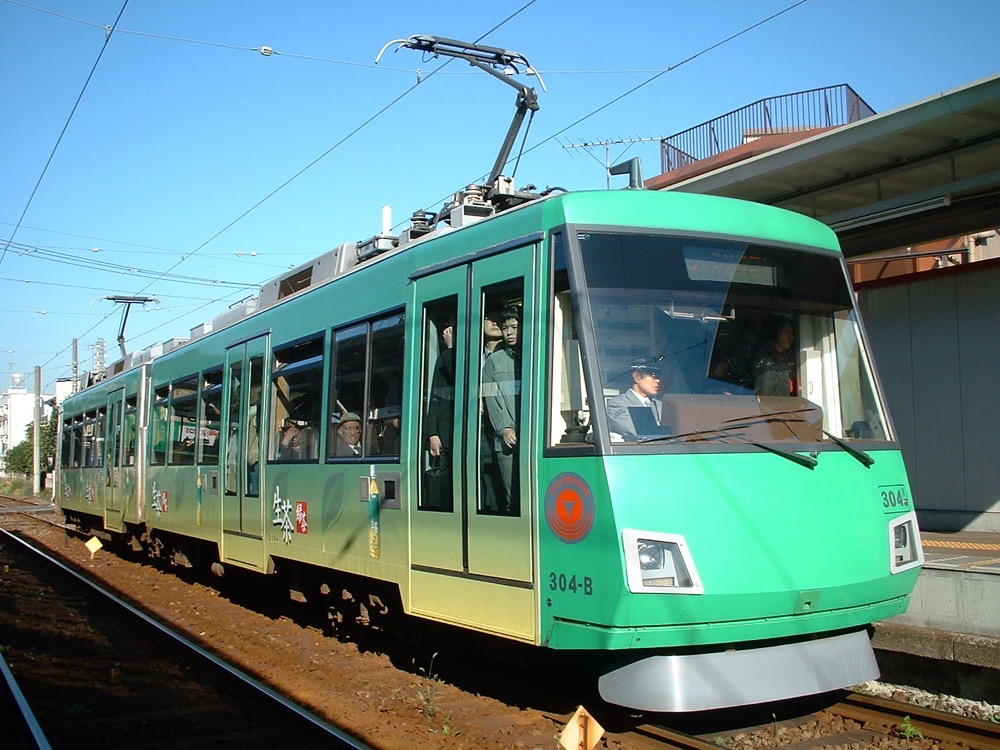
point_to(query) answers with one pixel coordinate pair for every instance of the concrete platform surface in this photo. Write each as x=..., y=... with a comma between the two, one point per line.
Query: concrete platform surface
x=954, y=612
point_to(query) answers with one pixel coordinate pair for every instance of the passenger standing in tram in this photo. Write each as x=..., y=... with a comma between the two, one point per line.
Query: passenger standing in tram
x=440, y=423
x=491, y=485
x=502, y=392
x=774, y=363
x=253, y=441
x=441, y=404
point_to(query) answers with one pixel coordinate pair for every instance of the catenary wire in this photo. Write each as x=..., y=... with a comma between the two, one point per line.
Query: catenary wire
x=107, y=38
x=649, y=80
x=315, y=161
x=611, y=102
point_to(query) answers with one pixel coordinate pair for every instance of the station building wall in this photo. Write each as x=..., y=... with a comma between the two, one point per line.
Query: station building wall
x=935, y=337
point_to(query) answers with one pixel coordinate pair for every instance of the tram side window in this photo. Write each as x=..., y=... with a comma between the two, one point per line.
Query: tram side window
x=500, y=398
x=347, y=392
x=78, y=441
x=97, y=455
x=210, y=417
x=569, y=406
x=91, y=449
x=87, y=440
x=66, y=449
x=438, y=405
x=183, y=429
x=297, y=403
x=366, y=390
x=112, y=455
x=130, y=434
x=158, y=426
x=385, y=386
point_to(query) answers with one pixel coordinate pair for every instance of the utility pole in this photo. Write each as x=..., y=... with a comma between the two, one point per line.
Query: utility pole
x=36, y=452
x=607, y=144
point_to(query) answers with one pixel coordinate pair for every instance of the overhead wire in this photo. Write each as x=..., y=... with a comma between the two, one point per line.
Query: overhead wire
x=648, y=81
x=340, y=143
x=270, y=51
x=304, y=169
x=669, y=69
x=391, y=104
x=107, y=38
x=337, y=145
x=53, y=256
x=97, y=290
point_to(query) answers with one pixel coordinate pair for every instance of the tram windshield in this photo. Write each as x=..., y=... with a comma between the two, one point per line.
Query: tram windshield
x=721, y=342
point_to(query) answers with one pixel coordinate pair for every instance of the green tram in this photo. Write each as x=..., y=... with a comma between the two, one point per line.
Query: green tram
x=451, y=424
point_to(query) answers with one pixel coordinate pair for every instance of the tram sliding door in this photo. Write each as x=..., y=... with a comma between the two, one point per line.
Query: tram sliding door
x=113, y=460
x=242, y=506
x=472, y=544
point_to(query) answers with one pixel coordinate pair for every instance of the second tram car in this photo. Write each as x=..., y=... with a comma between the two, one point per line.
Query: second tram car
x=640, y=426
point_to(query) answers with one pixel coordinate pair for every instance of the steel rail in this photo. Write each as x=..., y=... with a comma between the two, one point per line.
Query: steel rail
x=339, y=738
x=973, y=734
x=29, y=722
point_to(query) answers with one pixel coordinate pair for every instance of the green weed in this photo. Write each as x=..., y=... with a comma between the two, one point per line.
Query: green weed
x=907, y=730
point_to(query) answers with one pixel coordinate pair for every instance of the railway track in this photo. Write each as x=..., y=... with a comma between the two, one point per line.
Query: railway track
x=856, y=719
x=127, y=680
x=891, y=717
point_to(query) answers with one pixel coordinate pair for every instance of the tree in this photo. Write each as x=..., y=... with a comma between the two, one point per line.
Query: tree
x=49, y=440
x=18, y=458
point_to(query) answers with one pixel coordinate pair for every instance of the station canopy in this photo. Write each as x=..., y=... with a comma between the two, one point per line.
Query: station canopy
x=919, y=173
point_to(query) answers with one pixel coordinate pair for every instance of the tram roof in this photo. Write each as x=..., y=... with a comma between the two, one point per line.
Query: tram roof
x=920, y=172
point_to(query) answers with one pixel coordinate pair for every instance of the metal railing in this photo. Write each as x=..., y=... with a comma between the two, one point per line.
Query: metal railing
x=827, y=107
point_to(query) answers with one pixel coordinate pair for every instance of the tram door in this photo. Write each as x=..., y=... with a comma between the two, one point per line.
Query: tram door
x=113, y=460
x=474, y=507
x=242, y=506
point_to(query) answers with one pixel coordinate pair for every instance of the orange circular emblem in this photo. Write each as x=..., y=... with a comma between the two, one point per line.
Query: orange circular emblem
x=569, y=507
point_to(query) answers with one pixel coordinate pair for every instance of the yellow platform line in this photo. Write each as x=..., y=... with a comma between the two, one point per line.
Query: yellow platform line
x=959, y=545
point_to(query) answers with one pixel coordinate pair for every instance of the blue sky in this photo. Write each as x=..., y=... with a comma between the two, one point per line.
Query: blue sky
x=190, y=153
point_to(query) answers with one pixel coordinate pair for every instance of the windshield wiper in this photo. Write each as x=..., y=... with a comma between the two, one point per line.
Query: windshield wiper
x=712, y=430
x=808, y=461
x=856, y=452
x=774, y=416
x=766, y=416
x=860, y=455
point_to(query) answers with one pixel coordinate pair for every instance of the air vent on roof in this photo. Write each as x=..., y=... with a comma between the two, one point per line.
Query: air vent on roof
x=309, y=274
x=198, y=331
x=152, y=352
x=170, y=344
x=236, y=312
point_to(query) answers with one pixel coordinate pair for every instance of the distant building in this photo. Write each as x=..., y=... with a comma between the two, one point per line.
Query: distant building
x=17, y=412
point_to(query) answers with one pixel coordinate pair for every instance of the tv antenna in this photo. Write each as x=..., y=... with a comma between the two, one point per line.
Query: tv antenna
x=607, y=143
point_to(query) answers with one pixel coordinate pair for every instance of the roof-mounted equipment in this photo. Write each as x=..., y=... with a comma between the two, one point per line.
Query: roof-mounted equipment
x=128, y=301
x=501, y=64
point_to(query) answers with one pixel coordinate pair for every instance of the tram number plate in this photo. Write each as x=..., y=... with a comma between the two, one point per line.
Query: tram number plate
x=571, y=583
x=894, y=498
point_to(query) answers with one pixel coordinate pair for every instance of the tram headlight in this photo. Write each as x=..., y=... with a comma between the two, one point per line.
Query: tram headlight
x=905, y=551
x=651, y=555
x=659, y=563
x=901, y=537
